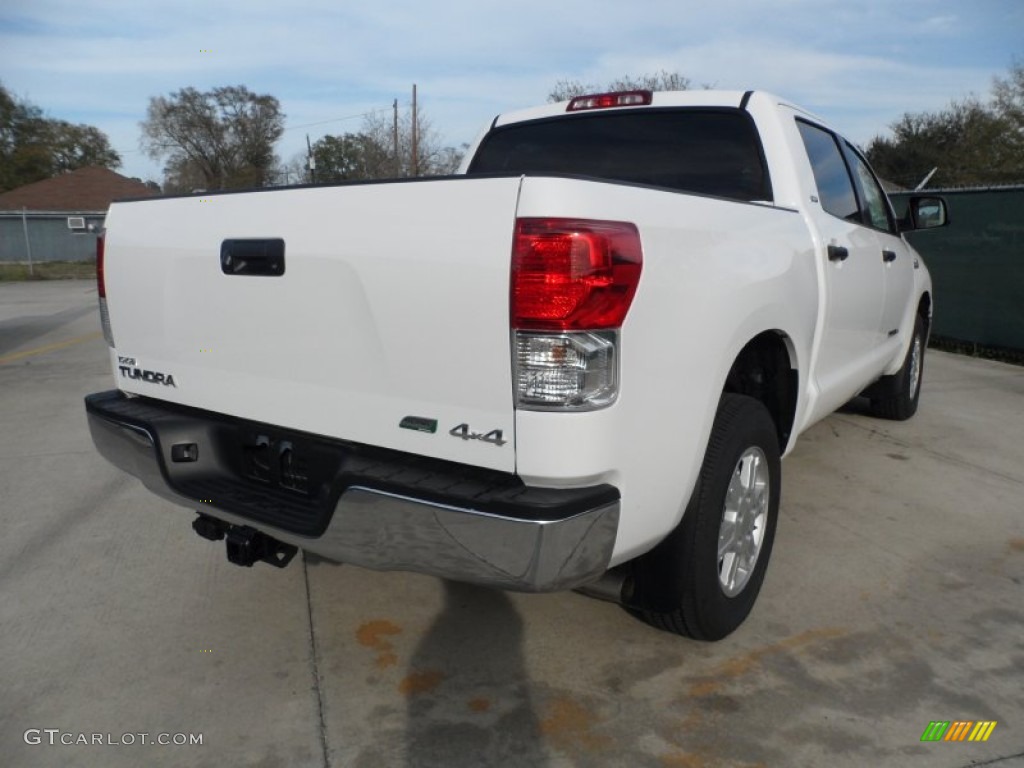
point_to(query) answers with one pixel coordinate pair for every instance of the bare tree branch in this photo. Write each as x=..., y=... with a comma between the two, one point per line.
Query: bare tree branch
x=226, y=136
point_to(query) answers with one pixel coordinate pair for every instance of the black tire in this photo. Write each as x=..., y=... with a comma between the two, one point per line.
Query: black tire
x=896, y=397
x=676, y=586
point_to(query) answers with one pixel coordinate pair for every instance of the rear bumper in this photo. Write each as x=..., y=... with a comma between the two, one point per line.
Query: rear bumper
x=361, y=505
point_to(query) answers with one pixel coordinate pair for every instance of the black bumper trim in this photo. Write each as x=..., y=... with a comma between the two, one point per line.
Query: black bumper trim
x=303, y=499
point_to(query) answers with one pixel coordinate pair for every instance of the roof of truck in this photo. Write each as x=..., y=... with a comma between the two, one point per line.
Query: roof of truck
x=696, y=98
x=659, y=99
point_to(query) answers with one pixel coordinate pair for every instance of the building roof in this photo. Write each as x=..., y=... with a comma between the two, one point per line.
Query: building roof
x=87, y=189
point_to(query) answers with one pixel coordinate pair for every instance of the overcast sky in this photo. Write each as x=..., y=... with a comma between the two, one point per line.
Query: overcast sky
x=860, y=65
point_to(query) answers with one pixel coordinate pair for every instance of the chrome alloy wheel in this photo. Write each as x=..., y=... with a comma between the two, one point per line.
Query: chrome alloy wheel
x=915, y=364
x=743, y=521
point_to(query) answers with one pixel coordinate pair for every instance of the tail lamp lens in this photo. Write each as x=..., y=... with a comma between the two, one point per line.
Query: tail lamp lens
x=565, y=371
x=571, y=274
x=101, y=290
x=101, y=284
x=573, y=281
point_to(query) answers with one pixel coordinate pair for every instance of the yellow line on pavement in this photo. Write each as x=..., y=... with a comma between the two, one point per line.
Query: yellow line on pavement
x=50, y=347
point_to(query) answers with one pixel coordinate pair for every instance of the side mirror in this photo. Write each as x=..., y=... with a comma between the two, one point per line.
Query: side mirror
x=925, y=213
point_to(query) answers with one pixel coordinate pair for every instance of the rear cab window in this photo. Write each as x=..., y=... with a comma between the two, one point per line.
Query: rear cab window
x=714, y=152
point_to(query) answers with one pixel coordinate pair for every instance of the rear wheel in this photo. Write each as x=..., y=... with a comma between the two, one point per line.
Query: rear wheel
x=702, y=581
x=896, y=397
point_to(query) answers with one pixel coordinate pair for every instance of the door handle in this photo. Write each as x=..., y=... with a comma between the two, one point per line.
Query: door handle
x=837, y=253
x=888, y=256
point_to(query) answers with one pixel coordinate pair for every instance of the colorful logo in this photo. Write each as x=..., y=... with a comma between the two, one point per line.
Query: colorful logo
x=958, y=730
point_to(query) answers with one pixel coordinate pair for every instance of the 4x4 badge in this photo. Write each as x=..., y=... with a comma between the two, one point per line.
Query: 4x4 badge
x=493, y=437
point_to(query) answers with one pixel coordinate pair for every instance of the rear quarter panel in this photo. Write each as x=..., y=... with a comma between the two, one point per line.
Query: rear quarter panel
x=715, y=274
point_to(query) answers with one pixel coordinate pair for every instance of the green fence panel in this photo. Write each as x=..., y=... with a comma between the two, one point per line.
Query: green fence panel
x=977, y=265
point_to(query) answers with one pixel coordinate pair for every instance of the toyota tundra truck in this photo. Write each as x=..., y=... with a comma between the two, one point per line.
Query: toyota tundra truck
x=575, y=364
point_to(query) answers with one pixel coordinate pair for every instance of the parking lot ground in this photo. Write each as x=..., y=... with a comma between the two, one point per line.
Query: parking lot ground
x=895, y=597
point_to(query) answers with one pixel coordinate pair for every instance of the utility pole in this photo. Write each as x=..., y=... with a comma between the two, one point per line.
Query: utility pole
x=394, y=136
x=310, y=161
x=415, y=136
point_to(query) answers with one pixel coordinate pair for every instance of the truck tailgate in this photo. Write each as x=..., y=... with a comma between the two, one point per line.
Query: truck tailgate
x=392, y=303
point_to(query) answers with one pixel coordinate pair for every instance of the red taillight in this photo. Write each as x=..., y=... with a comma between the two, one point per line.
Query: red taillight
x=101, y=290
x=570, y=274
x=101, y=286
x=608, y=100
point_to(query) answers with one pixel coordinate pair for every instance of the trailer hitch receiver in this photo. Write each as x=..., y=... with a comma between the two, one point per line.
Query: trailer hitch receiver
x=246, y=545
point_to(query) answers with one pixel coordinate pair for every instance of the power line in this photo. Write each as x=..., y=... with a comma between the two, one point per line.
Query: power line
x=339, y=119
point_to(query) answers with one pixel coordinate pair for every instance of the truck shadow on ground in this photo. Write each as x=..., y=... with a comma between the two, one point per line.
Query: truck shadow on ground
x=468, y=691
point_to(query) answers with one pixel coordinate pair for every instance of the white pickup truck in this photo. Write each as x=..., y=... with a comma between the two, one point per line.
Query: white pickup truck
x=576, y=364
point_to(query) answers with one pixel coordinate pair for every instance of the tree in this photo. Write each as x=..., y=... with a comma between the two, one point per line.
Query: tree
x=351, y=157
x=225, y=137
x=970, y=142
x=370, y=154
x=23, y=156
x=965, y=142
x=77, y=146
x=658, y=81
x=432, y=157
x=1008, y=102
x=294, y=171
x=183, y=175
x=34, y=147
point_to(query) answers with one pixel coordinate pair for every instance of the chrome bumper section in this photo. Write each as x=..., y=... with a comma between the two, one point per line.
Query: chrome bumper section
x=390, y=531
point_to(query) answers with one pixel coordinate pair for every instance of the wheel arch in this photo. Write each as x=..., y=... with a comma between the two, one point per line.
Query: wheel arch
x=766, y=369
x=924, y=310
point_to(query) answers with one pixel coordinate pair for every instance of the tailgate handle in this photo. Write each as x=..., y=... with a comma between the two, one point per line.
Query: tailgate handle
x=252, y=257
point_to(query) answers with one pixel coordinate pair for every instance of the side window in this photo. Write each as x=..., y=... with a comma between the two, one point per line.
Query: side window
x=835, y=188
x=871, y=192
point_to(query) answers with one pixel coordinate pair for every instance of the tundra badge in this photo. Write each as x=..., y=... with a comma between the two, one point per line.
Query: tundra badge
x=153, y=377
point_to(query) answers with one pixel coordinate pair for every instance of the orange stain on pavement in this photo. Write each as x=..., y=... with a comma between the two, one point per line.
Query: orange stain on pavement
x=375, y=634
x=420, y=682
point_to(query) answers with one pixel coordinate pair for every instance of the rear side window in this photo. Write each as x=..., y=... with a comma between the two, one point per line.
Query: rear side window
x=707, y=152
x=835, y=188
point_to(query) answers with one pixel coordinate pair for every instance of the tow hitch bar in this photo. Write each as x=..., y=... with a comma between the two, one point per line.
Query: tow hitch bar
x=245, y=545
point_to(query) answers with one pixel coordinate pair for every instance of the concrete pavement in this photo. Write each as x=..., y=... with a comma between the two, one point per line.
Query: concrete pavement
x=895, y=597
